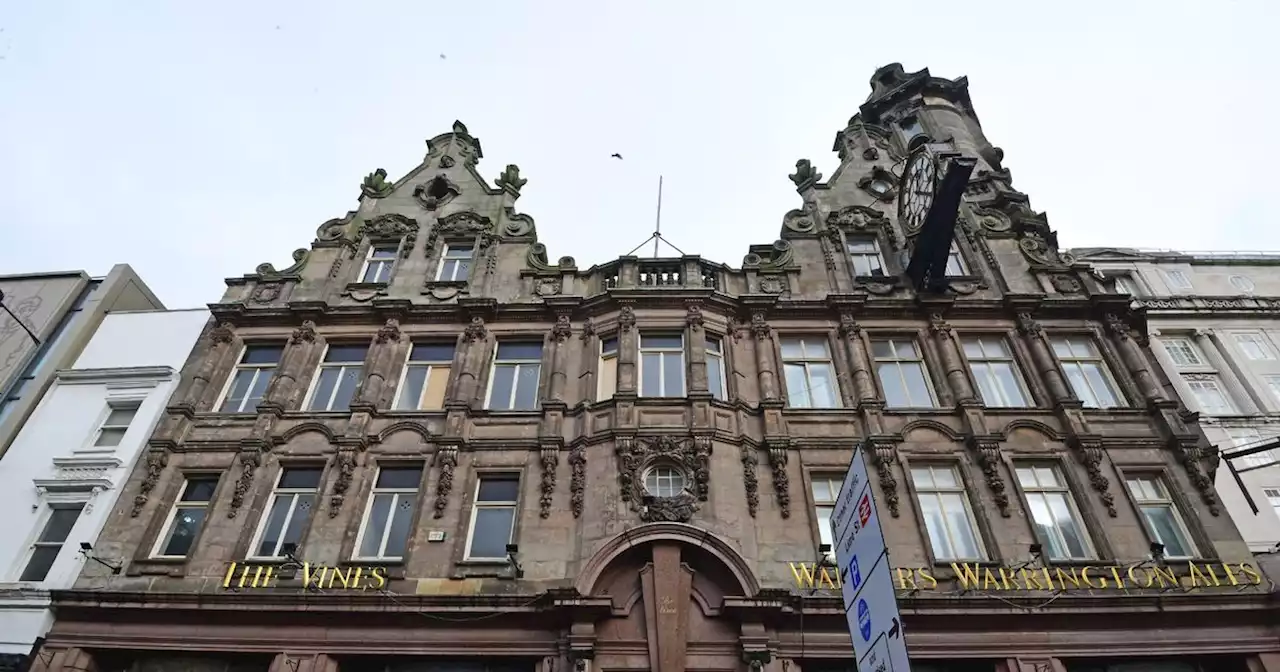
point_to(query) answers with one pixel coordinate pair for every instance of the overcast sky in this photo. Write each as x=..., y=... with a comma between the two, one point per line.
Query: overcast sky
x=197, y=140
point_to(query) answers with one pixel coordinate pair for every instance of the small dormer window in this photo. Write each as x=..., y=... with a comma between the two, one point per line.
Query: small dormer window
x=378, y=265
x=455, y=264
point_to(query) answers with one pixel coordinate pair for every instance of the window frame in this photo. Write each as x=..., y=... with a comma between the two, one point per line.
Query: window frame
x=957, y=255
x=721, y=367
x=1195, y=381
x=1257, y=460
x=265, y=516
x=1122, y=400
x=1267, y=350
x=972, y=511
x=1272, y=381
x=1094, y=546
x=663, y=353
x=382, y=262
x=1237, y=280
x=515, y=385
x=373, y=491
x=667, y=466
x=877, y=252
x=410, y=362
x=475, y=505
x=241, y=366
x=113, y=405
x=1020, y=379
x=603, y=355
x=935, y=400
x=1132, y=280
x=445, y=259
x=834, y=478
x=170, y=517
x=837, y=391
x=318, y=371
x=1272, y=499
x=1161, y=478
x=1187, y=346
x=80, y=503
x=1184, y=285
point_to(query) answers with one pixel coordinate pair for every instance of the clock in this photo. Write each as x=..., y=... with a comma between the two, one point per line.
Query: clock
x=919, y=185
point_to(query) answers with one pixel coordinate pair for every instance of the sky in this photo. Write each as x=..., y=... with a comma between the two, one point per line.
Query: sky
x=194, y=141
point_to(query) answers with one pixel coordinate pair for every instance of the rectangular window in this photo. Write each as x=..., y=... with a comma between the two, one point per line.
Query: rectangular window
x=290, y=508
x=1182, y=351
x=1273, y=384
x=953, y=533
x=115, y=425
x=377, y=266
x=864, y=254
x=338, y=377
x=187, y=517
x=608, y=383
x=426, y=377
x=248, y=384
x=955, y=261
x=493, y=516
x=513, y=383
x=901, y=371
x=1243, y=438
x=1273, y=498
x=384, y=534
x=1178, y=280
x=661, y=365
x=1254, y=346
x=1163, y=520
x=1125, y=284
x=455, y=263
x=826, y=488
x=1053, y=512
x=810, y=377
x=994, y=370
x=1210, y=396
x=716, y=376
x=45, y=551
x=1087, y=372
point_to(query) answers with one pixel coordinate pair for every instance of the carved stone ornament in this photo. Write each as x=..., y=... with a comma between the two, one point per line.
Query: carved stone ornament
x=435, y=193
x=588, y=330
x=626, y=318
x=693, y=316
x=332, y=230
x=306, y=333
x=939, y=326
x=376, y=185
x=268, y=270
x=849, y=327
x=510, y=179
x=798, y=221
x=781, y=481
x=750, y=461
x=883, y=457
x=447, y=161
x=805, y=174
x=562, y=329
x=577, y=479
x=346, y=463
x=1028, y=325
x=1065, y=284
x=476, y=330
x=775, y=257
x=248, y=461
x=1039, y=251
x=266, y=292
x=392, y=227
x=389, y=332
x=860, y=219
x=520, y=224
x=225, y=332
x=1090, y=455
x=550, y=459
x=1191, y=456
x=447, y=459
x=992, y=221
x=760, y=327
x=989, y=460
x=156, y=461
x=772, y=285
x=1116, y=326
x=693, y=456
x=546, y=287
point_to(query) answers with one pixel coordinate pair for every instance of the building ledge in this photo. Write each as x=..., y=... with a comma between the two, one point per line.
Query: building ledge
x=138, y=374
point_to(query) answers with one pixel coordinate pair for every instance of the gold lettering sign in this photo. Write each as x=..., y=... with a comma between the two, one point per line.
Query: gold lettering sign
x=245, y=575
x=973, y=576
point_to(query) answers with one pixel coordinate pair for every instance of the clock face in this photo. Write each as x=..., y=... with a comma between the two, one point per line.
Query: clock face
x=918, y=184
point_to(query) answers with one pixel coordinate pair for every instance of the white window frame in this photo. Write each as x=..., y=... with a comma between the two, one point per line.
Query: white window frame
x=604, y=356
x=666, y=474
x=1063, y=488
x=874, y=254
x=1256, y=338
x=1178, y=279
x=1273, y=384
x=936, y=491
x=112, y=406
x=1096, y=357
x=1024, y=400
x=1182, y=351
x=808, y=361
x=1127, y=284
x=171, y=518
x=396, y=493
x=494, y=362
x=956, y=265
x=1242, y=283
x=1165, y=499
x=430, y=365
x=1208, y=382
x=1243, y=438
x=663, y=353
x=717, y=367
x=898, y=363
x=445, y=259
x=79, y=501
x=825, y=508
x=241, y=366
x=371, y=259
x=315, y=378
x=1273, y=498
x=476, y=505
x=265, y=517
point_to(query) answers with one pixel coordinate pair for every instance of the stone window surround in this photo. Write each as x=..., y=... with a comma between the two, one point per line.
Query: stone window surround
x=144, y=562
x=236, y=364
x=435, y=259
x=1022, y=362
x=1198, y=536
x=907, y=458
x=257, y=502
x=1082, y=496
x=401, y=375
x=934, y=371
x=485, y=376
x=362, y=251
x=362, y=483
x=810, y=473
x=843, y=401
x=462, y=567
x=1126, y=388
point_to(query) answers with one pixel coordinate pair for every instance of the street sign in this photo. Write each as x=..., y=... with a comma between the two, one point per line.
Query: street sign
x=870, y=605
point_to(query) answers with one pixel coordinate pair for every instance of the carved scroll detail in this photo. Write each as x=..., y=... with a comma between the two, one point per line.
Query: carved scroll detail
x=1090, y=454
x=447, y=458
x=248, y=461
x=989, y=459
x=1190, y=455
x=577, y=479
x=781, y=481
x=157, y=460
x=750, y=461
x=882, y=457
x=550, y=460
x=346, y=463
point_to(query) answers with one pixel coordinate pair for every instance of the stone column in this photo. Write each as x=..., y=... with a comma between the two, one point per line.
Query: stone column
x=859, y=362
x=589, y=359
x=765, y=367
x=379, y=374
x=284, y=384
x=560, y=333
x=1134, y=360
x=957, y=377
x=627, y=351
x=475, y=339
x=1042, y=355
x=697, y=349
x=220, y=339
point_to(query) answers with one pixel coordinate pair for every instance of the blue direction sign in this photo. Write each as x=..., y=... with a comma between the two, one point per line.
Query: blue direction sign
x=871, y=607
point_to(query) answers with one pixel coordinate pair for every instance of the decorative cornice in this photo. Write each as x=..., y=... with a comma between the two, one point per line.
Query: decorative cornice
x=156, y=374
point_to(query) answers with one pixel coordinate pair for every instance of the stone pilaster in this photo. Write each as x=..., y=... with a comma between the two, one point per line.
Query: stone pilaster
x=949, y=353
x=1042, y=356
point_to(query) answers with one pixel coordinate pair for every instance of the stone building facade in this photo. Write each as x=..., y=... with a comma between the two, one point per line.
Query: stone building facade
x=1213, y=316
x=430, y=443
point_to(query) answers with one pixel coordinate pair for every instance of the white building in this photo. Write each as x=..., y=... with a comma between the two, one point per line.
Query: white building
x=1214, y=319
x=59, y=478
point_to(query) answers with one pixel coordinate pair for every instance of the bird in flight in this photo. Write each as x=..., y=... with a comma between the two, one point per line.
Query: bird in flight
x=616, y=156
x=442, y=57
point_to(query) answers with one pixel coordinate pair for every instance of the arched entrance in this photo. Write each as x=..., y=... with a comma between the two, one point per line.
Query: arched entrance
x=667, y=584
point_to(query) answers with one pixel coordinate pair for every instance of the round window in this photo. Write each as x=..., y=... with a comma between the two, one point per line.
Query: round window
x=664, y=481
x=1242, y=283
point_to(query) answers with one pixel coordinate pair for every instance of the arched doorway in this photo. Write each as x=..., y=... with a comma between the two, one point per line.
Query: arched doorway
x=667, y=585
